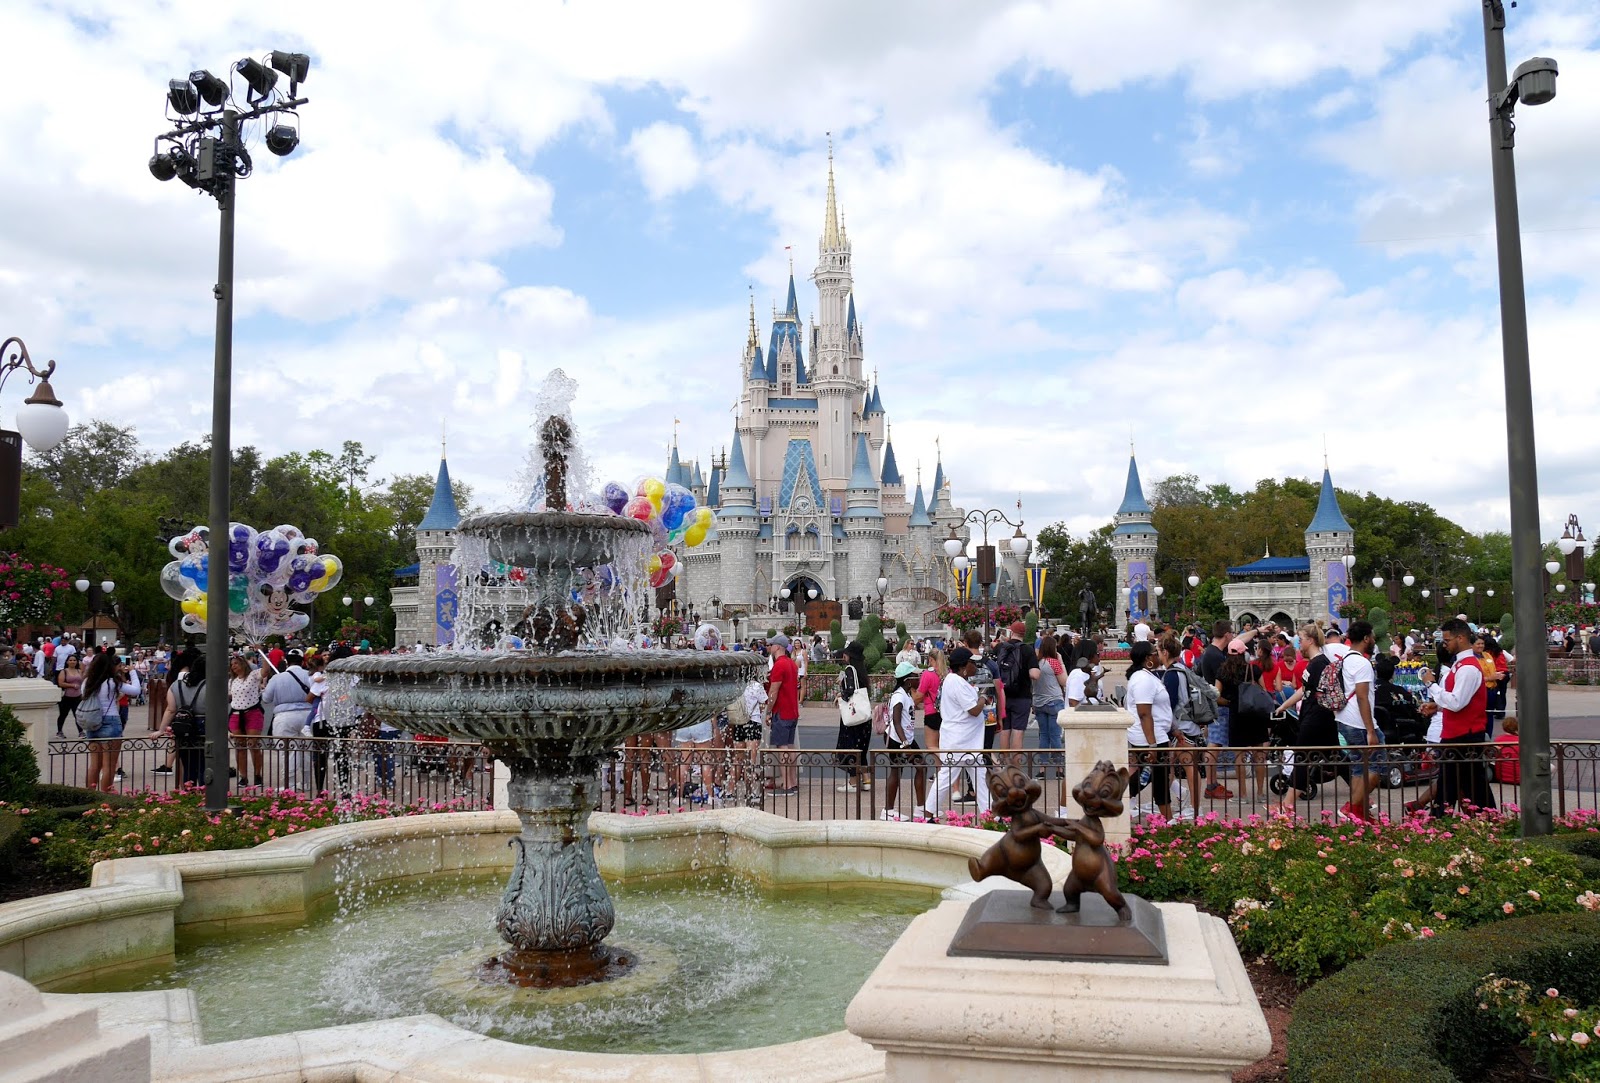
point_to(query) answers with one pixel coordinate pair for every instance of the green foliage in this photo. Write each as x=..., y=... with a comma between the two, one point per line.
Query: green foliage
x=96, y=501
x=1559, y=1031
x=1075, y=563
x=1315, y=898
x=1410, y=1011
x=771, y=632
x=19, y=767
x=1380, y=626
x=1508, y=632
x=835, y=637
x=1032, y=623
x=900, y=632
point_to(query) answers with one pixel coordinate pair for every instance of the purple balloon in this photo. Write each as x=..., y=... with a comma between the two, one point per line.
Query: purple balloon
x=615, y=497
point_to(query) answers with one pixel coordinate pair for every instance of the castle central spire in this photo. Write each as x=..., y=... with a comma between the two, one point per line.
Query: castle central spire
x=830, y=220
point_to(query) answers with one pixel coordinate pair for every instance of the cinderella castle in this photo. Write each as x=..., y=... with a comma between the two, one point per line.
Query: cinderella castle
x=813, y=511
x=812, y=503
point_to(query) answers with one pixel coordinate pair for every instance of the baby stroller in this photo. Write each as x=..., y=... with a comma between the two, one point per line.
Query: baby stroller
x=1282, y=733
x=1399, y=716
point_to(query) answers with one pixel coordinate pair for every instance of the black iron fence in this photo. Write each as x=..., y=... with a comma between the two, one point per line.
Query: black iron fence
x=405, y=769
x=810, y=784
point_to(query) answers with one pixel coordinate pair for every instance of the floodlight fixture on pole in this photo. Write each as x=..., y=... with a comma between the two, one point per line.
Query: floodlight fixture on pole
x=206, y=149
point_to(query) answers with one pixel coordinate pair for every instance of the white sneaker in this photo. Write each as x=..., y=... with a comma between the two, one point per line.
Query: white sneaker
x=890, y=814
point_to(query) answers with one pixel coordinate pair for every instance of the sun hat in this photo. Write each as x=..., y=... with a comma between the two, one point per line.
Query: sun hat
x=904, y=670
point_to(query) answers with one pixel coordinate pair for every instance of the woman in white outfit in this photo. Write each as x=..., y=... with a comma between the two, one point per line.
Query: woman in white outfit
x=960, y=727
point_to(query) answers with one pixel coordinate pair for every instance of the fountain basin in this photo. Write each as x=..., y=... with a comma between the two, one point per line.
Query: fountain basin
x=522, y=702
x=131, y=914
x=554, y=539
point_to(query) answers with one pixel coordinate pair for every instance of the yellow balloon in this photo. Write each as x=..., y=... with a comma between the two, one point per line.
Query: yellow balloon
x=654, y=565
x=195, y=607
x=655, y=491
x=694, y=535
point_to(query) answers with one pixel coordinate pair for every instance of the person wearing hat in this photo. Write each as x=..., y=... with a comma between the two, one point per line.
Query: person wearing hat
x=900, y=735
x=961, y=708
x=783, y=712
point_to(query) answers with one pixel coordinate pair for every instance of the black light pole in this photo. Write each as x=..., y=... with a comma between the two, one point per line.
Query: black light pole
x=205, y=150
x=988, y=570
x=1534, y=83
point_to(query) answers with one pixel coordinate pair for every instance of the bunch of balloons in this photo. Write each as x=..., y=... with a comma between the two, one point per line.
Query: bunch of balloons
x=672, y=513
x=268, y=571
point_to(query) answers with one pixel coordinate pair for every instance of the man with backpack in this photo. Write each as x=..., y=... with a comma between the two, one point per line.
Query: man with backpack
x=1348, y=687
x=1019, y=668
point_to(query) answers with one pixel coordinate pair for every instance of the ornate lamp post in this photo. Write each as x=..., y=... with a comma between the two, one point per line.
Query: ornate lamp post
x=41, y=421
x=97, y=590
x=883, y=590
x=988, y=572
x=1396, y=577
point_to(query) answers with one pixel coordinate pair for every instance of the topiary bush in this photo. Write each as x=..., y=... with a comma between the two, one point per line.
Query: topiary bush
x=900, y=632
x=1032, y=623
x=1379, y=619
x=1508, y=631
x=19, y=768
x=835, y=637
x=1409, y=1012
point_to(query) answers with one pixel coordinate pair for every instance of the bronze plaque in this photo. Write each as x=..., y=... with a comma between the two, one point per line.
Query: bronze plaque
x=1003, y=925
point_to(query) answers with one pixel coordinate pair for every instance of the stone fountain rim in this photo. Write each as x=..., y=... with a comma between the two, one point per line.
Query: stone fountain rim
x=553, y=520
x=639, y=664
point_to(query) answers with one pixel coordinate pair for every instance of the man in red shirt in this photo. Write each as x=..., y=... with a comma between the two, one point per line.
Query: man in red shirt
x=783, y=711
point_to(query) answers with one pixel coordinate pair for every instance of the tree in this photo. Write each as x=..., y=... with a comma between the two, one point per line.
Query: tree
x=93, y=456
x=1074, y=564
x=353, y=464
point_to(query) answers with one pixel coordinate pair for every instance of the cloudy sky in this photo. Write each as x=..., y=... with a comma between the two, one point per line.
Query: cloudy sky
x=1234, y=229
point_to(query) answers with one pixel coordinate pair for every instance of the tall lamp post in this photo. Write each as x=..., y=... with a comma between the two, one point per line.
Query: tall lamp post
x=41, y=421
x=1534, y=82
x=1394, y=580
x=206, y=150
x=988, y=572
x=883, y=590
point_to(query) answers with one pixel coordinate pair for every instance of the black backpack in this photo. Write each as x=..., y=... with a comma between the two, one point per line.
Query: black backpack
x=1010, y=658
x=187, y=725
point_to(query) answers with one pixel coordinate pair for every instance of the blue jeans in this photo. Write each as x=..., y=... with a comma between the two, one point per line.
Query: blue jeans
x=385, y=760
x=1217, y=733
x=1048, y=715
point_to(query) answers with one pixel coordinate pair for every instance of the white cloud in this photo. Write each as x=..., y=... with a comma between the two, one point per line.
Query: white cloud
x=385, y=266
x=666, y=159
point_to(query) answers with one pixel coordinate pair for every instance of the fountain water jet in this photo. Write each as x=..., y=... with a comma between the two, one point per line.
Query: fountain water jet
x=551, y=714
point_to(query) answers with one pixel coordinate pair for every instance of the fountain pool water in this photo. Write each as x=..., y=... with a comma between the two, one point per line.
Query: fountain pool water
x=749, y=966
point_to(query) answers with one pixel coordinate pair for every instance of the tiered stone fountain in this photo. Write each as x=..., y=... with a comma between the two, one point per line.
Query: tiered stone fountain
x=551, y=713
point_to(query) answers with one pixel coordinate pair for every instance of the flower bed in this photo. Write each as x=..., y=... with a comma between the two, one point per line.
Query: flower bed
x=1317, y=897
x=177, y=822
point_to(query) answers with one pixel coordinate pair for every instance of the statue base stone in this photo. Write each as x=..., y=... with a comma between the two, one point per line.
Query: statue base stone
x=945, y=1019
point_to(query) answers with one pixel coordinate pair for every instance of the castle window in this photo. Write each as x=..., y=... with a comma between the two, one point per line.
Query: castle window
x=836, y=370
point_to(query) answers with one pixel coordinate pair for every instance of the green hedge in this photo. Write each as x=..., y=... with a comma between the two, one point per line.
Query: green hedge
x=1584, y=847
x=19, y=767
x=1409, y=1011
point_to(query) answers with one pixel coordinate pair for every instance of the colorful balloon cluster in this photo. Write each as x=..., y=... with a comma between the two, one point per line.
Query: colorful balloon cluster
x=673, y=514
x=268, y=571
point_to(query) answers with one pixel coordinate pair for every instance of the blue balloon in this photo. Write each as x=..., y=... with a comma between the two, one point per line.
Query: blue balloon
x=615, y=497
x=677, y=503
x=239, y=539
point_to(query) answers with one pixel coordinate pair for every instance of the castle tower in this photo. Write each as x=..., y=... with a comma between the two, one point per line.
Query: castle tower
x=896, y=512
x=863, y=524
x=437, y=598
x=1328, y=540
x=737, y=526
x=1133, y=544
x=835, y=375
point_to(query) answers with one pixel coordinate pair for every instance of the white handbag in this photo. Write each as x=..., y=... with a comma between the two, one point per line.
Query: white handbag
x=857, y=709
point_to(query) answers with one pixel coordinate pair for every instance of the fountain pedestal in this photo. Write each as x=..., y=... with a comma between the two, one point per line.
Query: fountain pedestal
x=555, y=910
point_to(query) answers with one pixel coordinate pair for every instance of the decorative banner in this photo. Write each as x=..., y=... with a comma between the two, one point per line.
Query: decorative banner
x=1338, y=592
x=1036, y=574
x=446, y=604
x=1139, y=583
x=963, y=583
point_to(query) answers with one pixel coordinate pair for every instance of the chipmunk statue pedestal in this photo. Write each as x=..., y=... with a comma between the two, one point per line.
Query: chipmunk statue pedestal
x=1009, y=985
x=1113, y=927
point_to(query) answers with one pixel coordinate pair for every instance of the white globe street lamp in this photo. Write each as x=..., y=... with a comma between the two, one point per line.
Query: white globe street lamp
x=1552, y=566
x=962, y=563
x=953, y=547
x=1349, y=561
x=1377, y=581
x=1409, y=580
x=1194, y=581
x=1019, y=544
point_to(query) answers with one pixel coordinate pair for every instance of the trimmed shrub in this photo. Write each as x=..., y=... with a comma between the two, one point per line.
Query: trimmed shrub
x=1508, y=631
x=1584, y=848
x=1409, y=1012
x=900, y=632
x=19, y=769
x=835, y=637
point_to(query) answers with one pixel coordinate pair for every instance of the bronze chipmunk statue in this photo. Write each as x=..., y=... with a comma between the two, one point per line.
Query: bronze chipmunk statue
x=1018, y=855
x=1093, y=868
